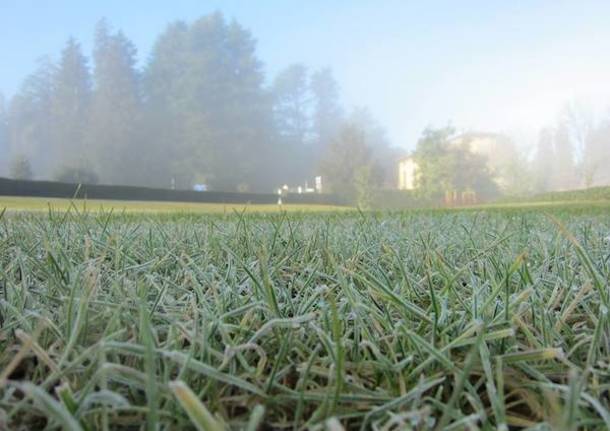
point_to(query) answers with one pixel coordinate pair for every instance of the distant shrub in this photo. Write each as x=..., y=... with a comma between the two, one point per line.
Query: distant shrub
x=20, y=168
x=362, y=184
x=71, y=190
x=77, y=175
x=401, y=199
x=592, y=194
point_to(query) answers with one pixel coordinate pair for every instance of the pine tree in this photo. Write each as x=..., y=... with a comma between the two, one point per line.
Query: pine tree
x=291, y=106
x=69, y=107
x=163, y=112
x=327, y=115
x=384, y=157
x=346, y=162
x=207, y=82
x=115, y=109
x=291, y=103
x=29, y=122
x=20, y=168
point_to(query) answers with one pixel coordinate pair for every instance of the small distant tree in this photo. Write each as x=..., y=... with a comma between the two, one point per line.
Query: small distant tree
x=77, y=175
x=327, y=115
x=363, y=181
x=347, y=166
x=564, y=172
x=383, y=155
x=435, y=165
x=575, y=132
x=20, y=168
x=543, y=164
x=29, y=119
x=446, y=167
x=518, y=176
x=471, y=173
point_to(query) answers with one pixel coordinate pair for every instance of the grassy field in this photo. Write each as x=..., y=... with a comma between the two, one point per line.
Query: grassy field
x=479, y=319
x=12, y=204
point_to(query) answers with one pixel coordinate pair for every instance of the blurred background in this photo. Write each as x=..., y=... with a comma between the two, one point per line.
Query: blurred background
x=464, y=102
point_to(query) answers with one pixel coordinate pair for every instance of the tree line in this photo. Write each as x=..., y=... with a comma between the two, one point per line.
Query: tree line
x=199, y=111
x=574, y=152
x=447, y=167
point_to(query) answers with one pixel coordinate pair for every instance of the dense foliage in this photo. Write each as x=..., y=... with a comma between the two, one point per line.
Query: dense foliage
x=592, y=194
x=199, y=111
x=414, y=320
x=574, y=152
x=444, y=167
x=20, y=168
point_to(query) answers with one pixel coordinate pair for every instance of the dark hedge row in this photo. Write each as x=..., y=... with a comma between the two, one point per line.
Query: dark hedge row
x=50, y=189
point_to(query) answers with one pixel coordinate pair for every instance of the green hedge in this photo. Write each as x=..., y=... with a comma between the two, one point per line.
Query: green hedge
x=592, y=194
x=51, y=189
x=401, y=199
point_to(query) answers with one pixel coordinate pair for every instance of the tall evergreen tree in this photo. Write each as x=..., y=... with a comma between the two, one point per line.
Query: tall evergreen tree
x=69, y=107
x=291, y=106
x=385, y=157
x=200, y=113
x=206, y=80
x=327, y=115
x=291, y=103
x=163, y=125
x=115, y=109
x=346, y=160
x=29, y=119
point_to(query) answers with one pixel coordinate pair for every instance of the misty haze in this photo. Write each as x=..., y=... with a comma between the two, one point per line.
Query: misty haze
x=202, y=107
x=316, y=215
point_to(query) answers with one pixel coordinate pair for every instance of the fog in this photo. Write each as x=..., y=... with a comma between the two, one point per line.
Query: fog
x=202, y=109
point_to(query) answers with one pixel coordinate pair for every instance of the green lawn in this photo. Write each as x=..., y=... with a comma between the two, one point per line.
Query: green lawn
x=43, y=204
x=480, y=319
x=572, y=206
x=30, y=204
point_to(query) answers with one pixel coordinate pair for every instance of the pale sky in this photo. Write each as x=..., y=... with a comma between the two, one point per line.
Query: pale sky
x=500, y=66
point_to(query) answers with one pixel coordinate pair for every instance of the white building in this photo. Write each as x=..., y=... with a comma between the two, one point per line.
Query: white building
x=494, y=147
x=407, y=173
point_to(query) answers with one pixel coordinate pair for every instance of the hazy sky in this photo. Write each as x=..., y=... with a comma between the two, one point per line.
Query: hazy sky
x=484, y=65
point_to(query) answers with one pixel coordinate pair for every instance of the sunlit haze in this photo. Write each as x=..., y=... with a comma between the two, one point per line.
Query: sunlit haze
x=313, y=214
x=485, y=65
